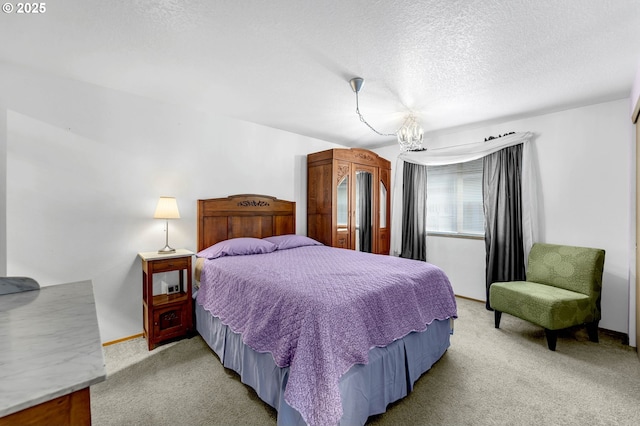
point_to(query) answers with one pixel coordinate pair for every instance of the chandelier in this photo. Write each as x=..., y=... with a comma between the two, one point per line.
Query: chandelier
x=409, y=135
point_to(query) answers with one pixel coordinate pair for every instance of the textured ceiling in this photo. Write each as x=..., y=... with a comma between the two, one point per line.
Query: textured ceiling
x=287, y=63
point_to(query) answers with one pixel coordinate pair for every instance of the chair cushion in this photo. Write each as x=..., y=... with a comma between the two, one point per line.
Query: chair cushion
x=577, y=269
x=547, y=306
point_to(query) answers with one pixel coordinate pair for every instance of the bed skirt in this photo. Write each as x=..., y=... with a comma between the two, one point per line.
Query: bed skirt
x=365, y=389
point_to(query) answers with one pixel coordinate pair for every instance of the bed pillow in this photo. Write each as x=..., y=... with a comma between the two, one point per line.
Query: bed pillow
x=237, y=247
x=284, y=242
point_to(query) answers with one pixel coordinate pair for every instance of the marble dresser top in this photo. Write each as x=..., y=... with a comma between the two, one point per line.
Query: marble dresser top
x=49, y=345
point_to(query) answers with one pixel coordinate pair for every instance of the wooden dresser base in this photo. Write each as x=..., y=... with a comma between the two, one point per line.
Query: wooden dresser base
x=72, y=409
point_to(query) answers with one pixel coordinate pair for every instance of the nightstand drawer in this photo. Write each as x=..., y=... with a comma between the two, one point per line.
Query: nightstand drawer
x=170, y=264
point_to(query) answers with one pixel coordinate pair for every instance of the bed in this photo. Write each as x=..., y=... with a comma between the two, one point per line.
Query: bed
x=324, y=335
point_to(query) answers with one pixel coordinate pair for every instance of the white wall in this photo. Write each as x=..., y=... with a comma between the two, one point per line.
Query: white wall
x=585, y=166
x=464, y=262
x=635, y=92
x=634, y=103
x=3, y=192
x=85, y=168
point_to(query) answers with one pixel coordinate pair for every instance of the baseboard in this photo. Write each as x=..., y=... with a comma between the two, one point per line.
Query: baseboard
x=470, y=298
x=624, y=337
x=124, y=339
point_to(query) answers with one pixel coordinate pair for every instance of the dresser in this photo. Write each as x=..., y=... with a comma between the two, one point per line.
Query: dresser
x=349, y=199
x=51, y=354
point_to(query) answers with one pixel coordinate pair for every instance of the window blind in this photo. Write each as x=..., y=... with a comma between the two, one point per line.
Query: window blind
x=454, y=198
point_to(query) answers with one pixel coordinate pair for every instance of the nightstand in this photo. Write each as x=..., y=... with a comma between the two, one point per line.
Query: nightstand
x=166, y=316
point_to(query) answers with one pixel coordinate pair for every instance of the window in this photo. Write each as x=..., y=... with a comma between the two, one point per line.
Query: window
x=454, y=199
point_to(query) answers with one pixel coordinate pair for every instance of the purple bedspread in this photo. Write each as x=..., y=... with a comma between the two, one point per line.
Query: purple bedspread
x=318, y=310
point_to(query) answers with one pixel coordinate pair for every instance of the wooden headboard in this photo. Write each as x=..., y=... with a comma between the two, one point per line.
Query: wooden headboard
x=246, y=215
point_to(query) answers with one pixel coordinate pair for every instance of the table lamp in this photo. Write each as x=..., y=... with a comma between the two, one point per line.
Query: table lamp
x=167, y=209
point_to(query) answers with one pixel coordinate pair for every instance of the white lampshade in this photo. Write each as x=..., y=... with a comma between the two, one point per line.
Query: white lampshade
x=167, y=209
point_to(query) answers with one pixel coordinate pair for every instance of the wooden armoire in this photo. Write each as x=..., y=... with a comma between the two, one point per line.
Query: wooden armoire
x=349, y=199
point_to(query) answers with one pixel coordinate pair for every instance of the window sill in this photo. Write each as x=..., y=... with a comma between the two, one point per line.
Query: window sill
x=455, y=235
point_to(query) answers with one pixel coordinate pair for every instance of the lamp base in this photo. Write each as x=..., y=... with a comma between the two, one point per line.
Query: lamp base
x=166, y=250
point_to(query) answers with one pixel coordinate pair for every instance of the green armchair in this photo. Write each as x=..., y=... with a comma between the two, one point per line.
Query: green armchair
x=562, y=290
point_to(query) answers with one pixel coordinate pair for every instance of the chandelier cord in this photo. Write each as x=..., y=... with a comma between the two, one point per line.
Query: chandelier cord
x=369, y=125
x=409, y=135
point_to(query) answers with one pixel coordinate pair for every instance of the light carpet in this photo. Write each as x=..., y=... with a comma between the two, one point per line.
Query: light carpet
x=488, y=376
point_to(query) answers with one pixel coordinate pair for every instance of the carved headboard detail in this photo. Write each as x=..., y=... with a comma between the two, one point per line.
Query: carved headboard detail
x=245, y=215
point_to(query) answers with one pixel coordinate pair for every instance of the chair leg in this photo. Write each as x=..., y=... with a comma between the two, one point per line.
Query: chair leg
x=592, y=329
x=497, y=315
x=552, y=337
